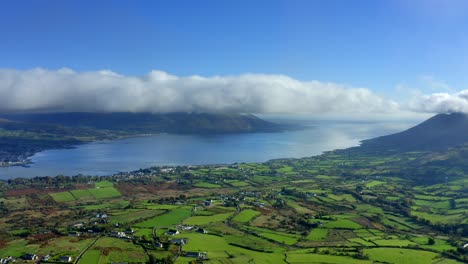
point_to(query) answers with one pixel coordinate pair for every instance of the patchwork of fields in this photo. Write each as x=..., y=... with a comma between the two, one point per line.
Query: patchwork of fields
x=329, y=209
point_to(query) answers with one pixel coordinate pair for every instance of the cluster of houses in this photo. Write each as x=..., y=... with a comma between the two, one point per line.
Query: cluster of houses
x=183, y=241
x=30, y=256
x=120, y=234
x=127, y=234
x=173, y=232
x=7, y=260
x=100, y=218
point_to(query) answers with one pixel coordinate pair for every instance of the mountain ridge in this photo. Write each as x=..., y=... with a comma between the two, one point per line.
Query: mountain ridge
x=439, y=132
x=179, y=123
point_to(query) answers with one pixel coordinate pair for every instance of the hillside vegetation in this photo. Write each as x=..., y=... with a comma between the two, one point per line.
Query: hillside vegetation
x=333, y=208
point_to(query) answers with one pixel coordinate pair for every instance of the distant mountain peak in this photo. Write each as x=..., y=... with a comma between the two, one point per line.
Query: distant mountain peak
x=441, y=131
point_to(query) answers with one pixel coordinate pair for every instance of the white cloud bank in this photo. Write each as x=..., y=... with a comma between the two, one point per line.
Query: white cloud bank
x=105, y=91
x=157, y=91
x=441, y=103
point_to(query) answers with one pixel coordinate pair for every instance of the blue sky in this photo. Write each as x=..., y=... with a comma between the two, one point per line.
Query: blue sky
x=380, y=45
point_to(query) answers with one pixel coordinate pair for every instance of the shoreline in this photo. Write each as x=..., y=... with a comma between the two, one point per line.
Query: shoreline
x=103, y=171
x=23, y=163
x=26, y=161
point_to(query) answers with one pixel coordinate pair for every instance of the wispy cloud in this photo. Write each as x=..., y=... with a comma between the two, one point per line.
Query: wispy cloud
x=433, y=83
x=158, y=91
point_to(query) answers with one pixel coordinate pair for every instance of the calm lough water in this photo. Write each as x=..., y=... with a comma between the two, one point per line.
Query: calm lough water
x=108, y=157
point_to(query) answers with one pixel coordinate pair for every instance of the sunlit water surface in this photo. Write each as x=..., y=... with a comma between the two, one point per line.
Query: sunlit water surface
x=108, y=157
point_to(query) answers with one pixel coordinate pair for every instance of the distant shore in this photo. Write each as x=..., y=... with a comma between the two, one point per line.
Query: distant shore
x=22, y=163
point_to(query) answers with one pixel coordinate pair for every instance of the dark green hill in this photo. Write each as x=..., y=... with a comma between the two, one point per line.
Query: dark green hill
x=180, y=123
x=437, y=133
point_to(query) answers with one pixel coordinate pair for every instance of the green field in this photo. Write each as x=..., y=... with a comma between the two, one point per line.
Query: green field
x=333, y=208
x=342, y=197
x=206, y=185
x=205, y=220
x=82, y=194
x=402, y=256
x=148, y=232
x=317, y=234
x=218, y=248
x=161, y=206
x=119, y=204
x=16, y=248
x=89, y=194
x=434, y=204
x=393, y=242
x=318, y=258
x=372, y=184
x=109, y=250
x=246, y=215
x=343, y=223
x=281, y=238
x=237, y=183
x=103, y=184
x=62, y=246
x=168, y=219
x=284, y=238
x=362, y=241
x=91, y=256
x=62, y=197
x=135, y=216
x=439, y=218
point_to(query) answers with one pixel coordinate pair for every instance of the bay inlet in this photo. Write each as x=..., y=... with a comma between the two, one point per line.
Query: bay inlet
x=109, y=157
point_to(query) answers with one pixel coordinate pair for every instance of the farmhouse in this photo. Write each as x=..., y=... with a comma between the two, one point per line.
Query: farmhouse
x=185, y=228
x=179, y=241
x=7, y=260
x=30, y=256
x=199, y=255
x=78, y=225
x=165, y=170
x=172, y=232
x=101, y=216
x=65, y=258
x=158, y=244
x=259, y=204
x=118, y=234
x=74, y=233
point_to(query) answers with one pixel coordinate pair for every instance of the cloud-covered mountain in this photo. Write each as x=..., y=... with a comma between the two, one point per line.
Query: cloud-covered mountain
x=65, y=90
x=442, y=103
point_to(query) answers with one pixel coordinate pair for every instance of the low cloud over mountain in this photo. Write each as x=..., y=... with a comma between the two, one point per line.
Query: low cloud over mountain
x=157, y=91
x=442, y=103
x=105, y=91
